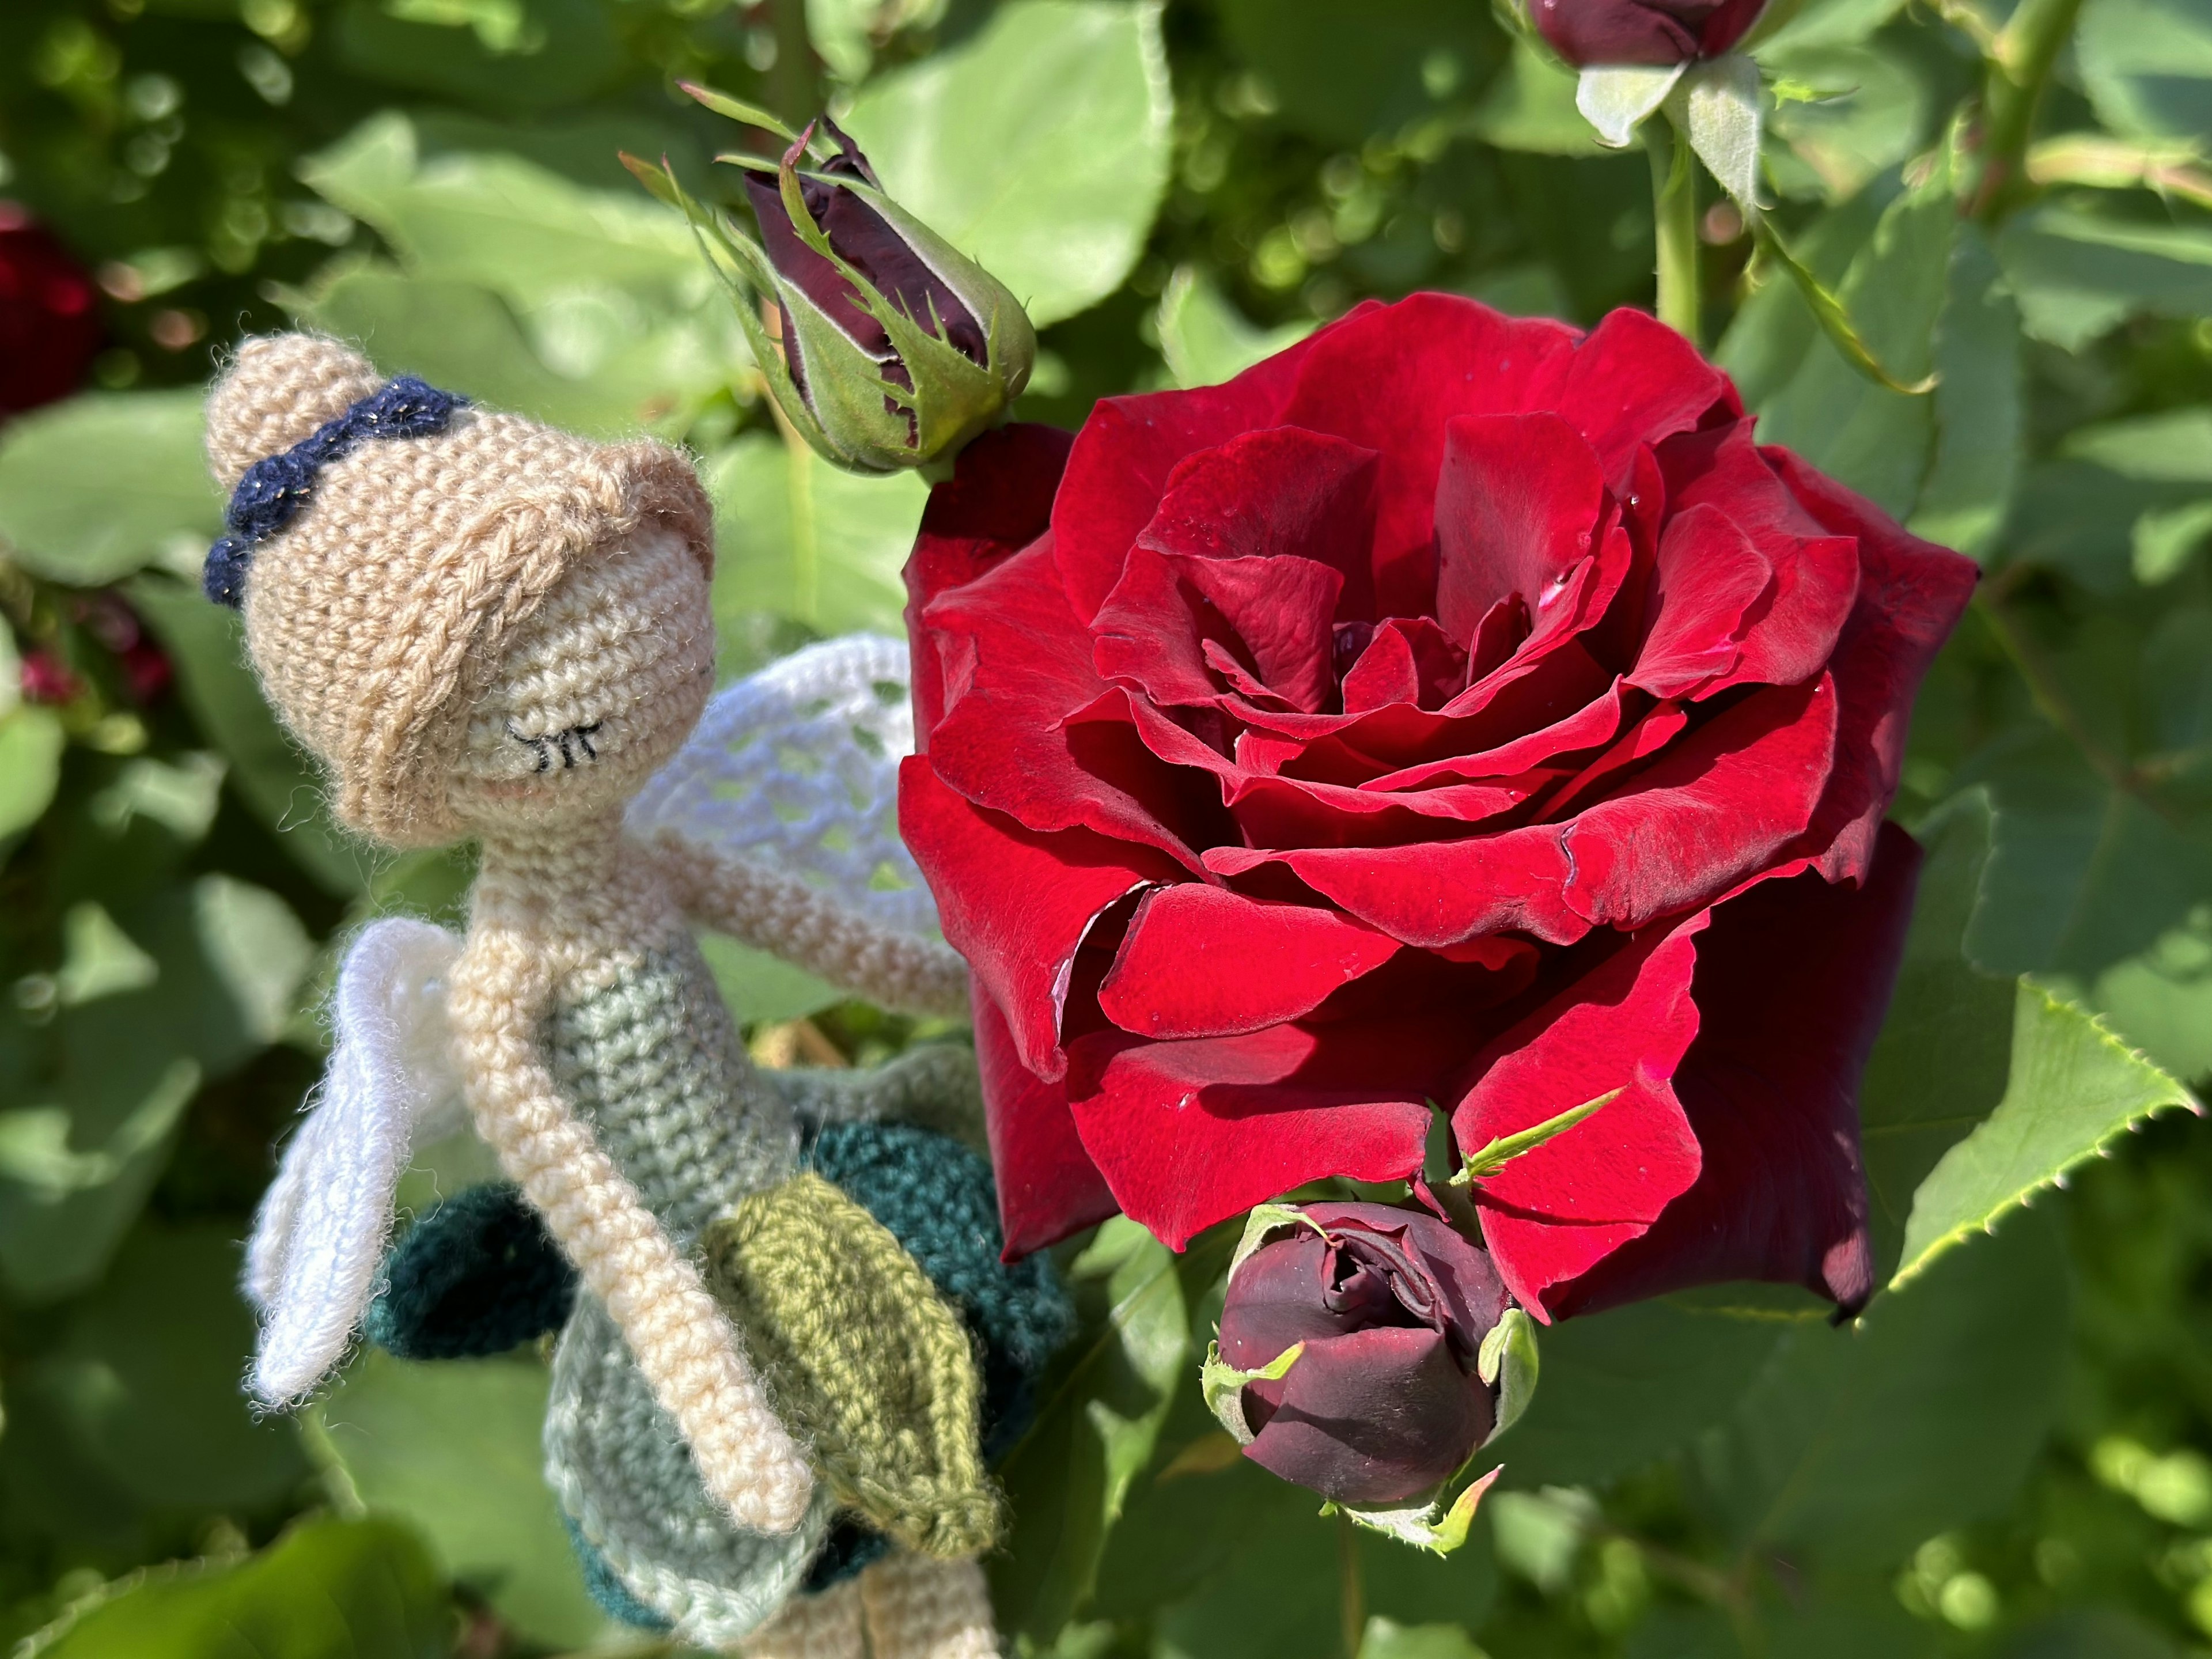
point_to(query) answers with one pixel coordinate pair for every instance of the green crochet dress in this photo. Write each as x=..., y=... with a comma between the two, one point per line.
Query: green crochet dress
x=651, y=1059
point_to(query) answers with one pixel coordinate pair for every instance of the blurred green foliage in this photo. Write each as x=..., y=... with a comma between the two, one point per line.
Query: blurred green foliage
x=2011, y=1455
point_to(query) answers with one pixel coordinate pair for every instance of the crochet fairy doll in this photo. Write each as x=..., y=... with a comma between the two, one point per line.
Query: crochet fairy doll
x=487, y=629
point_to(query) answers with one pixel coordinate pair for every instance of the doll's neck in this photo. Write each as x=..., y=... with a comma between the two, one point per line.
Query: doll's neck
x=586, y=883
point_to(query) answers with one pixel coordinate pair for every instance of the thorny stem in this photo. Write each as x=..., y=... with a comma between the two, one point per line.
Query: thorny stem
x=1674, y=222
x=2019, y=63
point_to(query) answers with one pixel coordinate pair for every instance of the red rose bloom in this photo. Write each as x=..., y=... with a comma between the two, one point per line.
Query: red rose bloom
x=1451, y=707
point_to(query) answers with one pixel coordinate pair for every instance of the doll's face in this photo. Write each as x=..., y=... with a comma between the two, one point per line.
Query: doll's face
x=596, y=691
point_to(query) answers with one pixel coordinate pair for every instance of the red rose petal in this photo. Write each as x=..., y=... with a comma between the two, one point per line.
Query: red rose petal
x=1389, y=377
x=1816, y=574
x=1716, y=806
x=1557, y=1210
x=1593, y=723
x=1004, y=741
x=1706, y=578
x=1014, y=903
x=1192, y=1133
x=1408, y=659
x=1047, y=1186
x=1911, y=596
x=1438, y=893
x=1636, y=381
x=1518, y=499
x=1201, y=960
x=997, y=500
x=1271, y=494
x=1281, y=611
x=1793, y=981
x=1653, y=731
x=1119, y=466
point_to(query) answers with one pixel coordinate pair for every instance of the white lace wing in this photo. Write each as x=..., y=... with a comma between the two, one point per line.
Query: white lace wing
x=797, y=767
x=319, y=1238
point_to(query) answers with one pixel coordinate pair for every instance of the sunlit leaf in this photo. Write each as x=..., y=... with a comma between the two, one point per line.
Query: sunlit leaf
x=2072, y=1089
x=327, y=1590
x=453, y=1449
x=803, y=539
x=93, y=489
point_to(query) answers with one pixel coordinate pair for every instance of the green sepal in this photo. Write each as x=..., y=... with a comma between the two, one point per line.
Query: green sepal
x=736, y=109
x=1507, y=1361
x=1828, y=310
x=952, y=398
x=1264, y=1222
x=1481, y=1165
x=1222, y=1386
x=743, y=270
x=1434, y=1525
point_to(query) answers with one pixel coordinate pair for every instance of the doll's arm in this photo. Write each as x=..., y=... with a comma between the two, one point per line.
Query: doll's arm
x=682, y=1341
x=781, y=912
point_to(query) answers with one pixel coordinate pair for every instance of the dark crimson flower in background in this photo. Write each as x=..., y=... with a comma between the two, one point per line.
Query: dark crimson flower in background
x=145, y=666
x=49, y=320
x=1660, y=32
x=1451, y=707
x=45, y=678
x=1384, y=1402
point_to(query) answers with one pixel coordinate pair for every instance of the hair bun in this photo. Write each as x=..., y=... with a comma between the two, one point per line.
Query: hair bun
x=278, y=390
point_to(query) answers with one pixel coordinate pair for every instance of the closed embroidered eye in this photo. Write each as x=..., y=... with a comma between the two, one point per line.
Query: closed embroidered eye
x=570, y=742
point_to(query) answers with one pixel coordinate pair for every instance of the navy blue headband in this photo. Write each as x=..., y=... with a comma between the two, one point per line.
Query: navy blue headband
x=274, y=489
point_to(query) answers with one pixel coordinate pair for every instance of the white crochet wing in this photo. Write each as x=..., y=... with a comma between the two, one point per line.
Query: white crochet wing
x=797, y=767
x=318, y=1239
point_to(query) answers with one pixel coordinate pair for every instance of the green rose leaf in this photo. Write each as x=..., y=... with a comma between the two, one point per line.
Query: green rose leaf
x=2073, y=1088
x=106, y=484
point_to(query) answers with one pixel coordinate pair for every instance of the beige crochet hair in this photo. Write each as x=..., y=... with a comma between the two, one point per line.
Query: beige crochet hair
x=377, y=618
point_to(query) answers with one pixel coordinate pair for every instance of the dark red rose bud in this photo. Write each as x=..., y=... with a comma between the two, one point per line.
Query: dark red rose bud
x=1588, y=31
x=47, y=678
x=1383, y=1403
x=49, y=323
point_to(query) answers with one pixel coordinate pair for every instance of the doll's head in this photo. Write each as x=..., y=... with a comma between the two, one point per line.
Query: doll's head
x=476, y=623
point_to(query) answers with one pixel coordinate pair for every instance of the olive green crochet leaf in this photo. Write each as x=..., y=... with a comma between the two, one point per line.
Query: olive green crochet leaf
x=865, y=1361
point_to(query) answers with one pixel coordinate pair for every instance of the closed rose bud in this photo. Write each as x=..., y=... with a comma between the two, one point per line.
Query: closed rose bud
x=893, y=350
x=1659, y=31
x=1383, y=1402
x=48, y=322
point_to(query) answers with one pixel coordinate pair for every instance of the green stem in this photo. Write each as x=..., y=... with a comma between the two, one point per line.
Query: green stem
x=2021, y=61
x=793, y=88
x=1352, y=1605
x=1674, y=220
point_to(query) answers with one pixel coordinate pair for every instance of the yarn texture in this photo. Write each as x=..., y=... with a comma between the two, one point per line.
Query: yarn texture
x=871, y=1366
x=937, y=1199
x=313, y=1262
x=378, y=616
x=487, y=629
x=478, y=1275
